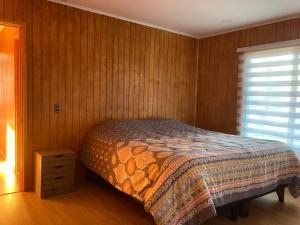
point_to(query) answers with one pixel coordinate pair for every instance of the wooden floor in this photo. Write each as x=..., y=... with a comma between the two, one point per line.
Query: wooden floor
x=99, y=204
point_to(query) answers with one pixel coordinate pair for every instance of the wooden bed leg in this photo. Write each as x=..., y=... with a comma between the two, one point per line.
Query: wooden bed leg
x=280, y=194
x=234, y=212
x=244, y=208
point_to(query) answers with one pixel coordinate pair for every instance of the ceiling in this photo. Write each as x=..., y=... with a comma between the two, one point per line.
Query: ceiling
x=195, y=18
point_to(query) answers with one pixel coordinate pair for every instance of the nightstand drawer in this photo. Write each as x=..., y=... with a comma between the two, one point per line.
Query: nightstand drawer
x=59, y=169
x=56, y=191
x=62, y=190
x=55, y=181
x=59, y=159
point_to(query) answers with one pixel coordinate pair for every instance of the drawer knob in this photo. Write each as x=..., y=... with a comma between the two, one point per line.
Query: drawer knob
x=58, y=156
x=58, y=178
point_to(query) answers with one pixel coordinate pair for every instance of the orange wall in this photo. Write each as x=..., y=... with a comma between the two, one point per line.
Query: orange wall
x=217, y=76
x=8, y=35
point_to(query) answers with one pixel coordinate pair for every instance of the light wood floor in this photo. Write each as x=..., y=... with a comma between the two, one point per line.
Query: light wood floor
x=99, y=204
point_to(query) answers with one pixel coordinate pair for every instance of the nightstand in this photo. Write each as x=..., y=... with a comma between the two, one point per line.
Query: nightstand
x=54, y=172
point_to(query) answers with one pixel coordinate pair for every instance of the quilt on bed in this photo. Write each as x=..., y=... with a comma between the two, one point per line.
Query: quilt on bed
x=182, y=173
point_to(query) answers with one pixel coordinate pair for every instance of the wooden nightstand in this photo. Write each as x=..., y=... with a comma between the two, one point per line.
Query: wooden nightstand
x=54, y=172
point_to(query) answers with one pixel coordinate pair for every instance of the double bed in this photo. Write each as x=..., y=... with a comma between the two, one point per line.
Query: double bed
x=182, y=174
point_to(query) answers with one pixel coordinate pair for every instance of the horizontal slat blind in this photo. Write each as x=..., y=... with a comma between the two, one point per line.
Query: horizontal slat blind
x=269, y=95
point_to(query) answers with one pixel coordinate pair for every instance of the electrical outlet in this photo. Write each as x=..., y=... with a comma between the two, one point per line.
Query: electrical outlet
x=57, y=108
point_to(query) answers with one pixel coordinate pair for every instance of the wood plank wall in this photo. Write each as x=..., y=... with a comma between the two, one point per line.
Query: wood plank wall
x=97, y=68
x=217, y=71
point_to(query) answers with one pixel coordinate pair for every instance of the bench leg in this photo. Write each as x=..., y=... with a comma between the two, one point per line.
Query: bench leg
x=280, y=194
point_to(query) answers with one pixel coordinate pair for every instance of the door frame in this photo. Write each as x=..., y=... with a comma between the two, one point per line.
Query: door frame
x=21, y=130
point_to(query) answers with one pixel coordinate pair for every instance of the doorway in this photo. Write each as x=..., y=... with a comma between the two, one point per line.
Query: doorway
x=10, y=102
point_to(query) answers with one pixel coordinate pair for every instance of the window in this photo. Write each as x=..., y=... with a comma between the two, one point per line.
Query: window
x=269, y=95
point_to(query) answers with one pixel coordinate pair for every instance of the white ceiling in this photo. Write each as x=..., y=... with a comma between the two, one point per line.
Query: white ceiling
x=196, y=18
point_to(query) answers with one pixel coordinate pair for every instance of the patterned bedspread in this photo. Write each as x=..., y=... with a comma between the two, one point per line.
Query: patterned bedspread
x=182, y=173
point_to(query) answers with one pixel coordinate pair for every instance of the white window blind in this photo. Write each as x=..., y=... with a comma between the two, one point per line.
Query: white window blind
x=269, y=95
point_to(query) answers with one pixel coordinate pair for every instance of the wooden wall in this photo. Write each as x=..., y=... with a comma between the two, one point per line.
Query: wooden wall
x=8, y=35
x=97, y=68
x=217, y=71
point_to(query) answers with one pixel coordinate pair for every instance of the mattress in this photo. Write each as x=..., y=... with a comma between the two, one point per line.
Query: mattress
x=181, y=173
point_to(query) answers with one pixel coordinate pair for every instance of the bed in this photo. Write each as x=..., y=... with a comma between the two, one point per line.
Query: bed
x=183, y=174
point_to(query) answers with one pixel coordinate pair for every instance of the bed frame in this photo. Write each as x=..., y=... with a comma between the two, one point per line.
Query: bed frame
x=233, y=210
x=241, y=208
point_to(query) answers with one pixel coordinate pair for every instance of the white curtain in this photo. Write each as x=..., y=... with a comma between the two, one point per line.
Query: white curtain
x=269, y=95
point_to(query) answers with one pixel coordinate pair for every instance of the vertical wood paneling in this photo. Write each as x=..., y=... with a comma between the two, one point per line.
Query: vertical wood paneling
x=83, y=73
x=61, y=76
x=155, y=84
x=180, y=65
x=28, y=19
x=1, y=8
x=76, y=78
x=37, y=72
x=164, y=76
x=53, y=73
x=176, y=74
x=168, y=74
x=68, y=77
x=103, y=87
x=127, y=71
x=115, y=70
x=136, y=72
x=217, y=71
x=109, y=67
x=131, y=70
x=97, y=68
x=18, y=10
x=147, y=72
x=90, y=70
x=142, y=87
x=121, y=71
x=160, y=56
x=45, y=85
x=151, y=72
x=8, y=11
